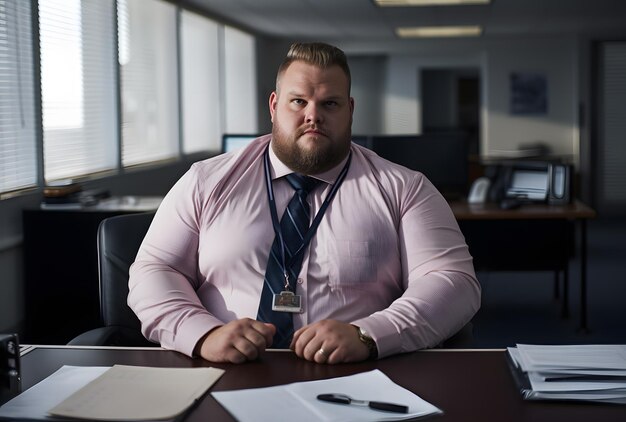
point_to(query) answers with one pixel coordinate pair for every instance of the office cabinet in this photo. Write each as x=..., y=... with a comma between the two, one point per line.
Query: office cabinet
x=61, y=271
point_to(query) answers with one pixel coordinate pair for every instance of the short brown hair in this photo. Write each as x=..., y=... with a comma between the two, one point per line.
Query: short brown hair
x=318, y=54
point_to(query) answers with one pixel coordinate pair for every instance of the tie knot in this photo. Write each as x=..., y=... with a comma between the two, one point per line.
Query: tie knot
x=302, y=183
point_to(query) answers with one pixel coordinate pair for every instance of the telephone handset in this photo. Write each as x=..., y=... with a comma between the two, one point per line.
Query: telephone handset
x=479, y=190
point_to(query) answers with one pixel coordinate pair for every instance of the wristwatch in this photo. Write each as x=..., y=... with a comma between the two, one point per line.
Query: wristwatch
x=368, y=341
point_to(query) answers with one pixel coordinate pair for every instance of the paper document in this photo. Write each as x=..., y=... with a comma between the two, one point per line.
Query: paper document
x=34, y=403
x=572, y=372
x=112, y=393
x=138, y=393
x=598, y=356
x=299, y=401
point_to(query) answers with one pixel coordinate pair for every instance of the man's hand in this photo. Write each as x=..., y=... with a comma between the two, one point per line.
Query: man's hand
x=329, y=341
x=236, y=342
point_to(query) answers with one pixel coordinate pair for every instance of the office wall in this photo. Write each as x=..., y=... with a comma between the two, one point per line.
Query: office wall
x=270, y=53
x=402, y=106
x=556, y=58
x=398, y=83
x=367, y=73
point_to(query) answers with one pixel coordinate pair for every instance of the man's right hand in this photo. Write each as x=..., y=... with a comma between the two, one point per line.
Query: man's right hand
x=236, y=342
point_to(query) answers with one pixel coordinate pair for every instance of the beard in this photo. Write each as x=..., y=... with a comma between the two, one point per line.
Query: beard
x=309, y=156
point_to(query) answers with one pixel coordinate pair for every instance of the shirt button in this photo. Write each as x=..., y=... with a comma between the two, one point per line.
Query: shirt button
x=300, y=281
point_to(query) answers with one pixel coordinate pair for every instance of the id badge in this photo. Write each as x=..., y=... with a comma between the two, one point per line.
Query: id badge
x=287, y=301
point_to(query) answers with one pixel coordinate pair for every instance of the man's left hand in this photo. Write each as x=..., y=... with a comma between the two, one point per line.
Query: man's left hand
x=329, y=341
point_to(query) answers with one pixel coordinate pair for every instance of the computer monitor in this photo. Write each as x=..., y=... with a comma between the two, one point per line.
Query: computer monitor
x=442, y=157
x=232, y=142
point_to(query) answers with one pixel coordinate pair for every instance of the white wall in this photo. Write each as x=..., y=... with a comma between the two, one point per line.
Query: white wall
x=556, y=57
x=402, y=97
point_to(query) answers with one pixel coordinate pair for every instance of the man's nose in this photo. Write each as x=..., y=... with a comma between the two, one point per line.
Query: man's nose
x=313, y=113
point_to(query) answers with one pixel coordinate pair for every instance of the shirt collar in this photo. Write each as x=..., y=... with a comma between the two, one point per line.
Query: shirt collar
x=279, y=169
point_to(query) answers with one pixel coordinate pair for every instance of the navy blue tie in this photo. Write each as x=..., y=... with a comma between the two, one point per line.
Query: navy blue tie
x=293, y=225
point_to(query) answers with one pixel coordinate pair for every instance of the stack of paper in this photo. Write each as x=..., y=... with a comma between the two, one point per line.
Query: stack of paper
x=581, y=372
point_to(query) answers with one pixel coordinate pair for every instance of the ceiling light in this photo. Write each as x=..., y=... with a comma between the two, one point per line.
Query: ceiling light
x=439, y=31
x=384, y=3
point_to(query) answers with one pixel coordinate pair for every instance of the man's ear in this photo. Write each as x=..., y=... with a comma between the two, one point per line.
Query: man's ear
x=273, y=101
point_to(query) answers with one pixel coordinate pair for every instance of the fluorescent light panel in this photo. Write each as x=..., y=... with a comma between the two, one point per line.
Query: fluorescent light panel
x=439, y=31
x=390, y=3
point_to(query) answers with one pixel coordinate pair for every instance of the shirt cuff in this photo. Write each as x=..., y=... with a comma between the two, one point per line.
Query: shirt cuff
x=192, y=330
x=388, y=342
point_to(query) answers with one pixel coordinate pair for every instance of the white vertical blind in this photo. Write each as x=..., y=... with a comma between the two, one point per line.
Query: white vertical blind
x=240, y=96
x=613, y=123
x=149, y=88
x=18, y=153
x=200, y=83
x=77, y=87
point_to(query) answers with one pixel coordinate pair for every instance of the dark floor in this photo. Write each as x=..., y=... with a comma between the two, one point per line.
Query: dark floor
x=521, y=308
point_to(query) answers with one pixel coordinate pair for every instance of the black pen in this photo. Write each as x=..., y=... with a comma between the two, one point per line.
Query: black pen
x=377, y=405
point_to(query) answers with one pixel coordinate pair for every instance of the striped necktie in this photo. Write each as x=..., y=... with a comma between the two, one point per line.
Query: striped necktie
x=293, y=225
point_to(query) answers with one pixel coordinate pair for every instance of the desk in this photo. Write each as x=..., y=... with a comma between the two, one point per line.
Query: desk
x=466, y=385
x=61, y=267
x=532, y=237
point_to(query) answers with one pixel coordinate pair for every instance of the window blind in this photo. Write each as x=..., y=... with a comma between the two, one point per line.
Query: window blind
x=148, y=72
x=18, y=156
x=78, y=85
x=200, y=78
x=240, y=82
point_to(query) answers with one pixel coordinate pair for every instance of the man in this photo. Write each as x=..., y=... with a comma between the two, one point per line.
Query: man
x=382, y=269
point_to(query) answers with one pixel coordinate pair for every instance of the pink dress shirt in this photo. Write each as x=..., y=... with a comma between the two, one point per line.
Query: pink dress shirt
x=388, y=255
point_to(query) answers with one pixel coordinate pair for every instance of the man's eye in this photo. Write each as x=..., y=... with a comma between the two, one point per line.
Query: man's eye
x=297, y=101
x=331, y=103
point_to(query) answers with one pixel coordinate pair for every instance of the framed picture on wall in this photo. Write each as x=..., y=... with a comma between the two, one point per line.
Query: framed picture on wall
x=529, y=93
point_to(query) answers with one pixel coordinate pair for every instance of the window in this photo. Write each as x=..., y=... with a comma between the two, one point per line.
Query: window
x=240, y=96
x=149, y=80
x=200, y=83
x=77, y=87
x=18, y=151
x=110, y=88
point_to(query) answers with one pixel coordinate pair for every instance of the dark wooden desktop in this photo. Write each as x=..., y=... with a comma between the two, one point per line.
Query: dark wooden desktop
x=534, y=237
x=467, y=385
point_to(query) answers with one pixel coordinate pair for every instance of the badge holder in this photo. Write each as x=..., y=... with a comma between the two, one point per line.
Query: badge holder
x=287, y=302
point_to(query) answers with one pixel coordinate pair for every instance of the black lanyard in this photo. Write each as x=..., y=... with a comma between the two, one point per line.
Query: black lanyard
x=316, y=221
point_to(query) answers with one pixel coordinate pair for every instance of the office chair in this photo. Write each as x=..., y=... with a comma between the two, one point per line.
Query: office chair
x=119, y=239
x=462, y=339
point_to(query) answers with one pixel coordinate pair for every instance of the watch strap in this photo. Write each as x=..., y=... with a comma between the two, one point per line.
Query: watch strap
x=369, y=342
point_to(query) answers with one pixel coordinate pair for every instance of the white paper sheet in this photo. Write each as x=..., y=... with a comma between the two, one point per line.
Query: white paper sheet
x=34, y=403
x=299, y=402
x=117, y=393
x=597, y=356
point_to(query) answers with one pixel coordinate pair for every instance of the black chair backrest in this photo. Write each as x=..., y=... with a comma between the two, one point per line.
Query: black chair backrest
x=119, y=239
